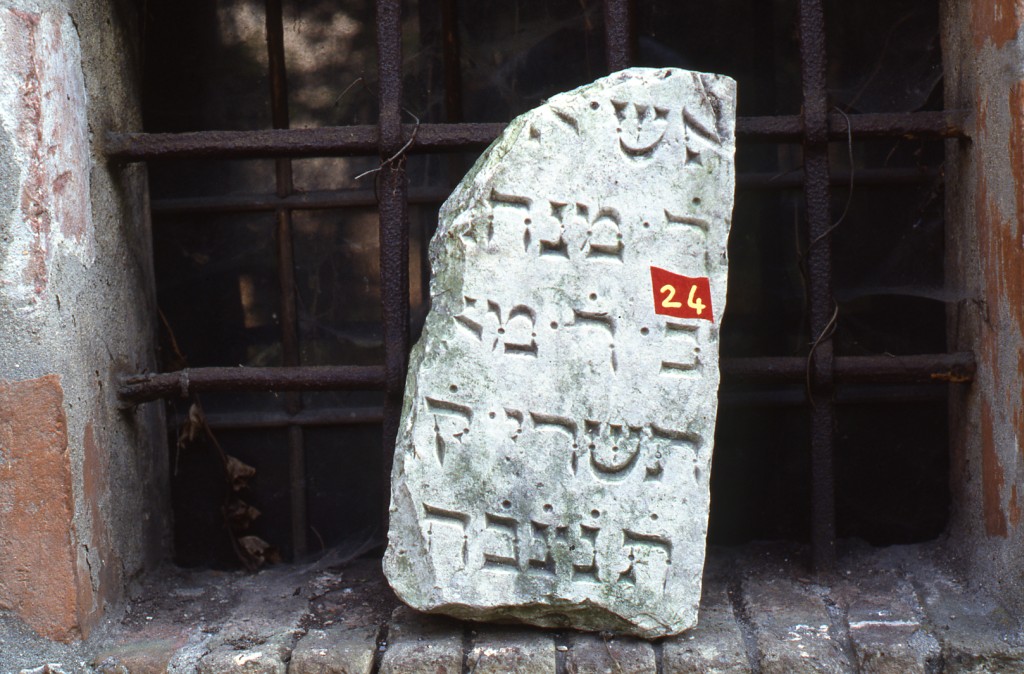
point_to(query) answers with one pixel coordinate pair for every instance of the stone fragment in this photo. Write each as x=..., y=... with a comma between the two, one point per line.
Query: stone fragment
x=977, y=635
x=593, y=654
x=511, y=651
x=335, y=651
x=887, y=630
x=422, y=645
x=139, y=656
x=553, y=458
x=793, y=629
x=715, y=645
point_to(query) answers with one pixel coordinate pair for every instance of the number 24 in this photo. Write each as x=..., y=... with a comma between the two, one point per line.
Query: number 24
x=668, y=301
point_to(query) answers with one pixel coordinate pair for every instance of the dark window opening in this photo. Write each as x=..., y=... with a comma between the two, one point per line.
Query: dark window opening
x=271, y=261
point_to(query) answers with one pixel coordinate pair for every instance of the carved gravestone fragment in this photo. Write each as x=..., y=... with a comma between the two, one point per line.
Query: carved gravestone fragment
x=553, y=459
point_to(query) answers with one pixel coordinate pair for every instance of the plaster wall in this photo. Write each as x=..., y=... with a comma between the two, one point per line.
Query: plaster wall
x=984, y=74
x=76, y=311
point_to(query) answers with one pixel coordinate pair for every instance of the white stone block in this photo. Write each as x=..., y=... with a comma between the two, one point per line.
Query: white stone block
x=553, y=459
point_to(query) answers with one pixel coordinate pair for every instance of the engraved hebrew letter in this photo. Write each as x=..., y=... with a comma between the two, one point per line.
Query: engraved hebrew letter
x=641, y=128
x=449, y=526
x=576, y=553
x=551, y=232
x=512, y=201
x=688, y=220
x=467, y=318
x=567, y=119
x=519, y=332
x=566, y=428
x=539, y=559
x=451, y=423
x=681, y=354
x=614, y=448
x=514, y=420
x=604, y=238
x=584, y=564
x=604, y=323
x=500, y=542
x=649, y=557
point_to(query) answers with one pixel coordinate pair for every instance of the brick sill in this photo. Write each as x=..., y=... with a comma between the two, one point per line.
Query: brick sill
x=900, y=609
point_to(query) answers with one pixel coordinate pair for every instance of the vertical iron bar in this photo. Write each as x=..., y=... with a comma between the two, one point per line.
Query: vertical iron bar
x=452, y=61
x=819, y=266
x=286, y=275
x=618, y=34
x=394, y=228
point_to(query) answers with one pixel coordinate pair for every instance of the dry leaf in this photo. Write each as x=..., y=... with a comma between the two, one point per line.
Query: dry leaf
x=239, y=473
x=193, y=426
x=241, y=515
x=256, y=552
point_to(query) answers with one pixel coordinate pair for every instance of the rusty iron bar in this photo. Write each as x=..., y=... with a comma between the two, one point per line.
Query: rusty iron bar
x=301, y=201
x=796, y=395
x=929, y=124
x=914, y=369
x=286, y=274
x=823, y=310
x=919, y=368
x=394, y=229
x=887, y=177
x=307, y=418
x=142, y=388
x=618, y=34
x=451, y=61
x=340, y=199
x=365, y=139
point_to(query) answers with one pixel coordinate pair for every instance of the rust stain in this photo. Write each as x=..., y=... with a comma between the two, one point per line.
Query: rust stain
x=1014, y=507
x=991, y=477
x=996, y=20
x=37, y=573
x=95, y=484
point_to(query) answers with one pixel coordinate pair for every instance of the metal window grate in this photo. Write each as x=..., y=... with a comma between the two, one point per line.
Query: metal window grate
x=390, y=139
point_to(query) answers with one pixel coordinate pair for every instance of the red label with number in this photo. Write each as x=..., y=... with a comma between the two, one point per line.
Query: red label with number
x=681, y=296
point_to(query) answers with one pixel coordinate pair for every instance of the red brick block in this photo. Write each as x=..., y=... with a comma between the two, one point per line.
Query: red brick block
x=38, y=575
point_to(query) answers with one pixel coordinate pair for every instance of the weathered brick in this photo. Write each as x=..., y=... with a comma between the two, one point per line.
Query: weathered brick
x=977, y=635
x=512, y=651
x=885, y=620
x=38, y=576
x=266, y=658
x=715, y=645
x=792, y=628
x=593, y=654
x=422, y=644
x=336, y=650
x=139, y=656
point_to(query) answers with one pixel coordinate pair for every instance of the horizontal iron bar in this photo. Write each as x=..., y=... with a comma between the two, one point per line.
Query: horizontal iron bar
x=363, y=139
x=935, y=124
x=302, y=201
x=861, y=178
x=342, y=416
x=937, y=368
x=795, y=395
x=330, y=199
x=145, y=387
x=921, y=368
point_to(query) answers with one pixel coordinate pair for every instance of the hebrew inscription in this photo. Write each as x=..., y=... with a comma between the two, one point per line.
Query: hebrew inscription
x=554, y=453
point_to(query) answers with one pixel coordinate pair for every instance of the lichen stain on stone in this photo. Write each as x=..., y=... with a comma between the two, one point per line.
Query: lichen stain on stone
x=996, y=20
